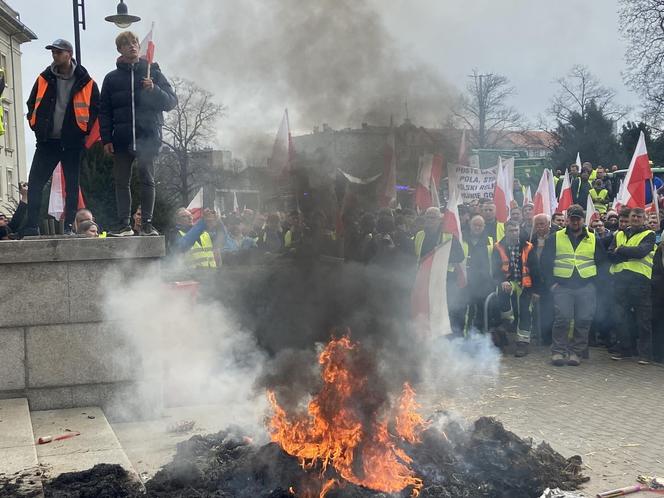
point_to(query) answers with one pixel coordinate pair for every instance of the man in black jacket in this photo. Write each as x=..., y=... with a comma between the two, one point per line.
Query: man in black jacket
x=133, y=99
x=62, y=107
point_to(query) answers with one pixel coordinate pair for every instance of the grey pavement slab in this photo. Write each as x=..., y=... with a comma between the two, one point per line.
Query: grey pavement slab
x=17, y=443
x=12, y=359
x=610, y=413
x=96, y=444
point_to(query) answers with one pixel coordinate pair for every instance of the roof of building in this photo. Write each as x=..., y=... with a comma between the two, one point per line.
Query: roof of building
x=10, y=23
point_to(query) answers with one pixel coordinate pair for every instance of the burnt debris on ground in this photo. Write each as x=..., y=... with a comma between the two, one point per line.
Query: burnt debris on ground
x=484, y=461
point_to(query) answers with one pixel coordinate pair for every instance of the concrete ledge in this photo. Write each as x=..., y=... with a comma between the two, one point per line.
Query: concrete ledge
x=80, y=249
x=78, y=353
x=12, y=359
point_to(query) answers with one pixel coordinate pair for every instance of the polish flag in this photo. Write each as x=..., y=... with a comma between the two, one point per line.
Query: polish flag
x=552, y=191
x=282, y=150
x=591, y=212
x=94, y=136
x=147, y=47
x=633, y=190
x=428, y=179
x=541, y=203
x=501, y=193
x=565, y=200
x=429, y=295
x=195, y=207
x=236, y=205
x=578, y=161
x=387, y=196
x=451, y=218
x=528, y=197
x=463, y=151
x=56, y=201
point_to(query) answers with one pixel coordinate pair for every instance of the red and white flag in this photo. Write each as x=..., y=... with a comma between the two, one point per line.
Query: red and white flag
x=429, y=296
x=463, y=151
x=541, y=203
x=387, y=195
x=428, y=179
x=591, y=212
x=94, y=136
x=195, y=207
x=147, y=46
x=236, y=205
x=502, y=193
x=553, y=200
x=565, y=199
x=56, y=201
x=632, y=193
x=282, y=150
x=578, y=161
x=528, y=196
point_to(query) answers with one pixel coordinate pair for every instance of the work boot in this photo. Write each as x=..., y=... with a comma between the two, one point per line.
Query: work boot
x=120, y=230
x=643, y=361
x=558, y=360
x=521, y=349
x=573, y=360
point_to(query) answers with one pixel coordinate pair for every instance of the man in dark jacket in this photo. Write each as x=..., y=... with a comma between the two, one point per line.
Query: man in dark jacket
x=62, y=107
x=133, y=98
x=632, y=255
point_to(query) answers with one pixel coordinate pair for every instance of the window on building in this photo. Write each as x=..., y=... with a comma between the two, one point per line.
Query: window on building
x=8, y=131
x=10, y=184
x=3, y=65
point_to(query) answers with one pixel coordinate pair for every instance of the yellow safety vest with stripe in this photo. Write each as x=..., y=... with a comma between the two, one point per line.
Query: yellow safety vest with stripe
x=201, y=254
x=599, y=199
x=641, y=266
x=81, y=103
x=500, y=230
x=582, y=258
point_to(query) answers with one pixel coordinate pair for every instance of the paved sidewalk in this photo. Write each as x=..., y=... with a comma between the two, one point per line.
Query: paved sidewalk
x=611, y=413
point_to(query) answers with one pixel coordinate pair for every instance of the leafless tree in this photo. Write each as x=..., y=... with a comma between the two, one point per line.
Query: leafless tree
x=190, y=127
x=577, y=90
x=642, y=25
x=484, y=110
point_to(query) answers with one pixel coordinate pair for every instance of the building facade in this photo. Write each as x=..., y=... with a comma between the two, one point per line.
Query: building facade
x=13, y=167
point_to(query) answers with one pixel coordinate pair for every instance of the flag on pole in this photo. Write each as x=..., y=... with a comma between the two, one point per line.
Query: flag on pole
x=541, y=203
x=195, y=207
x=236, y=205
x=429, y=295
x=501, y=193
x=147, y=46
x=565, y=200
x=578, y=161
x=282, y=150
x=591, y=212
x=552, y=191
x=56, y=200
x=428, y=179
x=463, y=150
x=528, y=197
x=632, y=192
x=387, y=196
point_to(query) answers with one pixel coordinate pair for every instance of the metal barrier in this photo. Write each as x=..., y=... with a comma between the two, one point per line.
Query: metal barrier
x=486, y=311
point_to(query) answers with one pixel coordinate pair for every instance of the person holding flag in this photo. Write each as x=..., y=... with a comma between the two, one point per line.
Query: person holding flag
x=62, y=107
x=134, y=97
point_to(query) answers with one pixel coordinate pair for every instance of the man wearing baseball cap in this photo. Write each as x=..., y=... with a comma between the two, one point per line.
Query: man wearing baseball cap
x=570, y=263
x=62, y=108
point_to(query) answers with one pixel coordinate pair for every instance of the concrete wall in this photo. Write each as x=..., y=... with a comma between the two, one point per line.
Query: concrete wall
x=56, y=347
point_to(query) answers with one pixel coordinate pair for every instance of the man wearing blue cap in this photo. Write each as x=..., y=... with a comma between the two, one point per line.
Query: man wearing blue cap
x=62, y=107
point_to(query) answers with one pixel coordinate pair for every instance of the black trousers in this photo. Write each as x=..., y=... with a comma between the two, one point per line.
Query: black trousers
x=46, y=158
x=122, y=164
x=634, y=306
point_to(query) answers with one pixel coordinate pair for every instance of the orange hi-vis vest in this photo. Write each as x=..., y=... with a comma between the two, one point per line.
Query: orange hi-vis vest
x=81, y=103
x=526, y=279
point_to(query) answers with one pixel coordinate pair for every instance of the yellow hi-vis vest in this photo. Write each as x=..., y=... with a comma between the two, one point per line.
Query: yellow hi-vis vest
x=201, y=254
x=583, y=258
x=599, y=199
x=642, y=266
x=500, y=231
x=444, y=237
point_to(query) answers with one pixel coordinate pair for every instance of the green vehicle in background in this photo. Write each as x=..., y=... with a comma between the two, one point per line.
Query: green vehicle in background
x=527, y=169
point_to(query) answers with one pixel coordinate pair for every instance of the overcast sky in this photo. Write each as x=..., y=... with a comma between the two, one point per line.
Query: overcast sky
x=260, y=56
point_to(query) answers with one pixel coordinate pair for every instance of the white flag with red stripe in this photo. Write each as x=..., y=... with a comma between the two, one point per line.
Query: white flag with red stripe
x=552, y=191
x=429, y=296
x=56, y=200
x=502, y=193
x=578, y=161
x=591, y=212
x=566, y=199
x=541, y=203
x=428, y=179
x=632, y=192
x=282, y=150
x=195, y=207
x=236, y=204
x=528, y=197
x=147, y=46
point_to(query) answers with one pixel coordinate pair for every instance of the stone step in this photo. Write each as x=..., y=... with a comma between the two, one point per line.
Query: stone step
x=18, y=457
x=96, y=444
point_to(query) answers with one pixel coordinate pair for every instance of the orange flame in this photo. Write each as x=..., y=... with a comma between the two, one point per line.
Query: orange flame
x=335, y=432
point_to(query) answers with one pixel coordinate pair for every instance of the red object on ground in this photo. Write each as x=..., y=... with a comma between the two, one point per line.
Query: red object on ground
x=188, y=287
x=49, y=439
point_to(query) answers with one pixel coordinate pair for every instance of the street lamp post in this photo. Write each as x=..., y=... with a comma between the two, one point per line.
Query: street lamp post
x=123, y=19
x=79, y=20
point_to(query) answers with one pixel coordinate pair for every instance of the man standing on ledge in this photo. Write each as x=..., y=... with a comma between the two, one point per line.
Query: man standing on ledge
x=132, y=102
x=62, y=106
